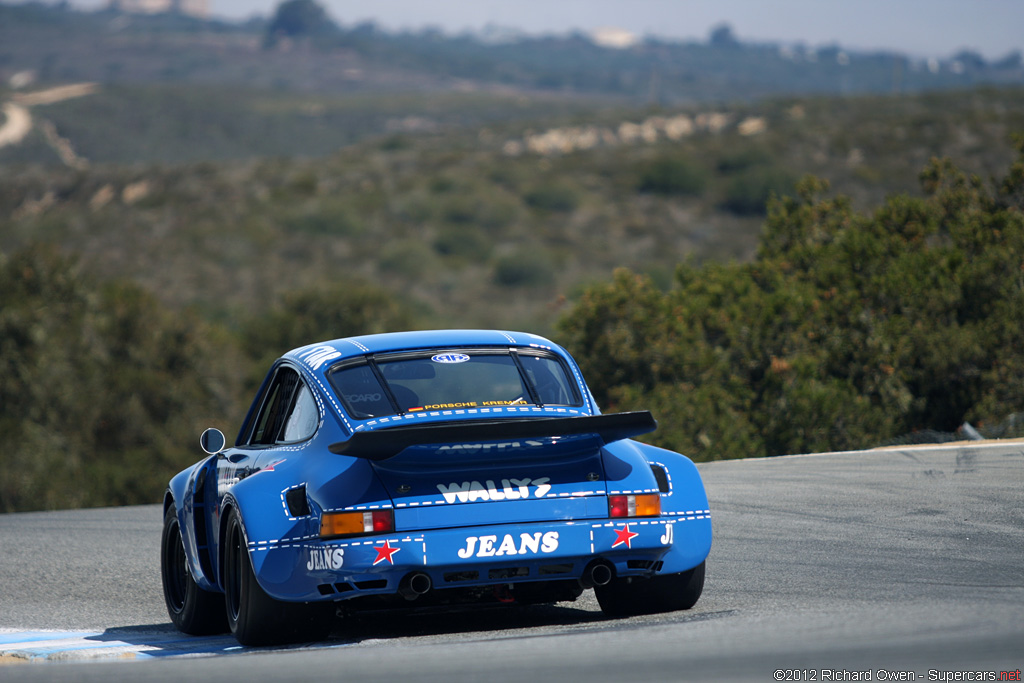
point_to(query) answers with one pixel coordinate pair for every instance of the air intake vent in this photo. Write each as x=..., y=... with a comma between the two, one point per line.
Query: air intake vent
x=298, y=506
x=661, y=476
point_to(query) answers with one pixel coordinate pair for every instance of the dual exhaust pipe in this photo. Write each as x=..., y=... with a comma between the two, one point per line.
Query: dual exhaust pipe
x=597, y=573
x=414, y=584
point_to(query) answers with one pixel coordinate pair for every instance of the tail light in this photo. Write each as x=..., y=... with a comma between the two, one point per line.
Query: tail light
x=644, y=505
x=335, y=524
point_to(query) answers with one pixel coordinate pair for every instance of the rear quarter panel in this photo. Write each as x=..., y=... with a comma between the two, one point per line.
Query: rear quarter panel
x=686, y=503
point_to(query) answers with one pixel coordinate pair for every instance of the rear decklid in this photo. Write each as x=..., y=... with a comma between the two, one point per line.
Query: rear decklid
x=498, y=471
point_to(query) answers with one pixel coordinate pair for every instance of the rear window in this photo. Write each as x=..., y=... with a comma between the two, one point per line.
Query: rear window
x=407, y=383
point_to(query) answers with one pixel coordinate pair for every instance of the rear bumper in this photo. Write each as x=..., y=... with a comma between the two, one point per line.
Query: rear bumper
x=312, y=570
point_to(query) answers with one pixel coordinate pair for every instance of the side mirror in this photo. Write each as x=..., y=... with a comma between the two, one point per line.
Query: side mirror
x=212, y=441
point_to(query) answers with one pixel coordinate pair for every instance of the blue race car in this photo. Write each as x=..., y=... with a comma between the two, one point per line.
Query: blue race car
x=427, y=468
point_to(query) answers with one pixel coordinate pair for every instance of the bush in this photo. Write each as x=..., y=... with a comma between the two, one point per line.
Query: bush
x=327, y=220
x=524, y=269
x=319, y=313
x=407, y=258
x=104, y=391
x=462, y=242
x=743, y=159
x=673, y=176
x=556, y=198
x=748, y=193
x=846, y=331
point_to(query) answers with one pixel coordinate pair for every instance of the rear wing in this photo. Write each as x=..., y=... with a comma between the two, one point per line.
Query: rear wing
x=382, y=444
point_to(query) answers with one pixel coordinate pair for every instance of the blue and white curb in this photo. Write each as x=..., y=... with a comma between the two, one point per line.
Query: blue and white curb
x=123, y=643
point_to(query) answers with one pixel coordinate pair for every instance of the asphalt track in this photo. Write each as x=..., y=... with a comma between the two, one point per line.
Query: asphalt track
x=856, y=566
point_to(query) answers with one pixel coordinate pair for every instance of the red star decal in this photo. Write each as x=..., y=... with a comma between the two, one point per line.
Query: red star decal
x=624, y=535
x=385, y=552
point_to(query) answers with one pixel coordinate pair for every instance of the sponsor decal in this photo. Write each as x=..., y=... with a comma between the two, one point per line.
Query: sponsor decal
x=511, y=489
x=363, y=398
x=318, y=355
x=529, y=544
x=624, y=536
x=385, y=552
x=472, y=447
x=450, y=358
x=325, y=558
x=666, y=538
x=446, y=406
x=470, y=404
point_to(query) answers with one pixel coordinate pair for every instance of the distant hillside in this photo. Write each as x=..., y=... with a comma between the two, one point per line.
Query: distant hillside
x=185, y=123
x=175, y=88
x=60, y=44
x=492, y=225
x=181, y=200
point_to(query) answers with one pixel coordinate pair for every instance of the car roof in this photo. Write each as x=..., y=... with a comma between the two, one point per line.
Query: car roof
x=399, y=341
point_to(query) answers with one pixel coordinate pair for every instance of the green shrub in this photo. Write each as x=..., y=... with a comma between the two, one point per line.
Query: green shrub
x=672, y=175
x=748, y=193
x=554, y=197
x=462, y=242
x=104, y=391
x=741, y=160
x=407, y=258
x=524, y=269
x=845, y=331
x=324, y=220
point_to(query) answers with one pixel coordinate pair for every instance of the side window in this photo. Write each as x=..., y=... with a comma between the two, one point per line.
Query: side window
x=363, y=395
x=264, y=432
x=304, y=417
x=549, y=379
x=288, y=414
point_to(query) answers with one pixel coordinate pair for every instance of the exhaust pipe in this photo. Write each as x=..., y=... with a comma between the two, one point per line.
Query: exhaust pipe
x=414, y=585
x=597, y=573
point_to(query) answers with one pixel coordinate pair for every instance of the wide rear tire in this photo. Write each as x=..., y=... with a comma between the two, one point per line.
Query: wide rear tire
x=192, y=609
x=668, y=593
x=253, y=616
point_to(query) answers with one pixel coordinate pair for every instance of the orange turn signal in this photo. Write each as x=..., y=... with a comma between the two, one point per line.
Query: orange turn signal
x=644, y=505
x=334, y=524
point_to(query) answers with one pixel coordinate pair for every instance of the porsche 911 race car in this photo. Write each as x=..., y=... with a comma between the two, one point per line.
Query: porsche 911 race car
x=427, y=468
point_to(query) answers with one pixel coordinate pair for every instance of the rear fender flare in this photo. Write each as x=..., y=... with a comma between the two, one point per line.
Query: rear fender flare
x=190, y=513
x=686, y=505
x=268, y=526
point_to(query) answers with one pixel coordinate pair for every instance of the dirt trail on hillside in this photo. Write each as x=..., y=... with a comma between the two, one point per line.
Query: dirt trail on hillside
x=17, y=117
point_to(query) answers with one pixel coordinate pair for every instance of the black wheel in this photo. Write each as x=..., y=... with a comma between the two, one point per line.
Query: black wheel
x=623, y=598
x=192, y=609
x=253, y=616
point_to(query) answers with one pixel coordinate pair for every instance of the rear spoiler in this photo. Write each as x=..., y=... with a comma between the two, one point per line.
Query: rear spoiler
x=382, y=444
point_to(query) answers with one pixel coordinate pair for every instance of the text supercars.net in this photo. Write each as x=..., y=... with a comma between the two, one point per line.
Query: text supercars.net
x=893, y=675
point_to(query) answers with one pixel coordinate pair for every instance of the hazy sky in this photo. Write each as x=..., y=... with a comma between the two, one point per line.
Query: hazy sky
x=931, y=28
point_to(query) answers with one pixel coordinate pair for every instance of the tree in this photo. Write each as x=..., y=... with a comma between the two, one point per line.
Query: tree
x=722, y=36
x=299, y=19
x=319, y=313
x=103, y=390
x=845, y=331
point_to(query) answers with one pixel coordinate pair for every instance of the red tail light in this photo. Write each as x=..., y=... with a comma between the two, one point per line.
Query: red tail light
x=383, y=521
x=644, y=505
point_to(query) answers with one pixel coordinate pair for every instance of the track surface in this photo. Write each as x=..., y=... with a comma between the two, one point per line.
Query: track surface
x=882, y=561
